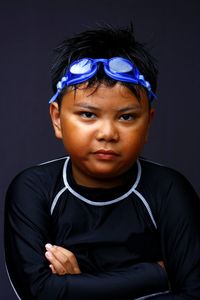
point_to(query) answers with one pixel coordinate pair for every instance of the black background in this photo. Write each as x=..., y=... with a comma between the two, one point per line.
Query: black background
x=28, y=32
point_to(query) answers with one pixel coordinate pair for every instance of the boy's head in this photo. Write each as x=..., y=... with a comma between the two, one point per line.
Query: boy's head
x=104, y=119
x=104, y=43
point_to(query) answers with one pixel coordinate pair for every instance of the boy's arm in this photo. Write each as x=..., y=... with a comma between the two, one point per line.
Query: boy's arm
x=28, y=229
x=63, y=261
x=179, y=227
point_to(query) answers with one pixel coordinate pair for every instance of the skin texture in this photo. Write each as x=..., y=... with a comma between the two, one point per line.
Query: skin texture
x=104, y=130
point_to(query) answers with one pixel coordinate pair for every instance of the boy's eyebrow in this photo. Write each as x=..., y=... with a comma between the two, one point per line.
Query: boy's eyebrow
x=123, y=109
x=130, y=107
x=86, y=105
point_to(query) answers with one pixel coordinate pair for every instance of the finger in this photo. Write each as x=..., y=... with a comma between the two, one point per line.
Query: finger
x=65, y=257
x=68, y=256
x=161, y=263
x=57, y=266
x=52, y=269
x=62, y=260
x=56, y=261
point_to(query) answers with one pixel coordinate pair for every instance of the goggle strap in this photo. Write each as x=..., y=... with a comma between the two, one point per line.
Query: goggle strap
x=54, y=96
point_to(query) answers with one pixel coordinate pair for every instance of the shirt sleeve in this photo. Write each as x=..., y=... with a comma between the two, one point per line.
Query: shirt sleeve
x=179, y=228
x=28, y=228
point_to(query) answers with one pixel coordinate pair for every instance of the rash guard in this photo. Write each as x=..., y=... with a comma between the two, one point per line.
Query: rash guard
x=117, y=235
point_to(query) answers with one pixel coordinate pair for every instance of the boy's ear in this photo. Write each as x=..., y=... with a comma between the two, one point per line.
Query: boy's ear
x=151, y=116
x=55, y=118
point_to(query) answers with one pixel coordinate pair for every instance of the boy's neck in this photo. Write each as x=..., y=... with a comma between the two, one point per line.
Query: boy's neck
x=105, y=183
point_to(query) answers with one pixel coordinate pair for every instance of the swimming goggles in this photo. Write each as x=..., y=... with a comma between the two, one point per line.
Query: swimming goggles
x=117, y=68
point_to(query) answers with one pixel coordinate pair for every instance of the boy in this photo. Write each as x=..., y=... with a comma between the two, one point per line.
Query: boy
x=103, y=219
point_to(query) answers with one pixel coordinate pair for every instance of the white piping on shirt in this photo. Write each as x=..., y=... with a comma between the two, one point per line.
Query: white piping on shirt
x=50, y=161
x=151, y=161
x=156, y=294
x=56, y=199
x=147, y=207
x=96, y=203
x=12, y=283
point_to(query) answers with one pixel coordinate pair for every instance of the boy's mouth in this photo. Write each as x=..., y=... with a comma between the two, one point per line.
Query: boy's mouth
x=105, y=154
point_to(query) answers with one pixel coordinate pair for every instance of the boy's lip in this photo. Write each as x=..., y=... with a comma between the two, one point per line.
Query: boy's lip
x=105, y=154
x=105, y=151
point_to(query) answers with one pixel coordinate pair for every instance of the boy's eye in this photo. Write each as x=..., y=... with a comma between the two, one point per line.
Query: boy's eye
x=88, y=115
x=127, y=117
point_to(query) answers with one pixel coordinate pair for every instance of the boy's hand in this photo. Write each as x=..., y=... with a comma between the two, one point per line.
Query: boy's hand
x=62, y=261
x=161, y=263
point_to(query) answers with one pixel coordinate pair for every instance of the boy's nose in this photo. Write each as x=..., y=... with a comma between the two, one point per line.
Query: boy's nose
x=107, y=132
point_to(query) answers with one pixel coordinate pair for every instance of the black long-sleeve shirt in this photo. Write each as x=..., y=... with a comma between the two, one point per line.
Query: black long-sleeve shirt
x=117, y=235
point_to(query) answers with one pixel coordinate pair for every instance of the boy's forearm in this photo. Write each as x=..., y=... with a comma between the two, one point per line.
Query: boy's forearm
x=130, y=283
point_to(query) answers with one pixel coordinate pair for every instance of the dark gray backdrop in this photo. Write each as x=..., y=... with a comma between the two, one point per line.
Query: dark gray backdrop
x=28, y=32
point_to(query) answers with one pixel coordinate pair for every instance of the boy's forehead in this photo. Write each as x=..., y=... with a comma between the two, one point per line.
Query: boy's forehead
x=118, y=95
x=100, y=89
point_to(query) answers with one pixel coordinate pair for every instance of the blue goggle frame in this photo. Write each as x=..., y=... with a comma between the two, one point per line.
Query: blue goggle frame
x=117, y=68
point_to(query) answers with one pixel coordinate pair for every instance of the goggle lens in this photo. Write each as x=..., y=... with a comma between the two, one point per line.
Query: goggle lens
x=82, y=67
x=117, y=65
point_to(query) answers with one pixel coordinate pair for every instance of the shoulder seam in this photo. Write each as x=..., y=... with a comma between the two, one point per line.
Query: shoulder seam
x=151, y=161
x=50, y=161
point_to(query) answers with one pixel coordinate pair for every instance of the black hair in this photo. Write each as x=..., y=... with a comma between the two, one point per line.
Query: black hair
x=103, y=42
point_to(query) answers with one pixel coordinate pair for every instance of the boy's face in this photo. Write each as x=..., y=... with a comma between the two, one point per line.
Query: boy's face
x=103, y=130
